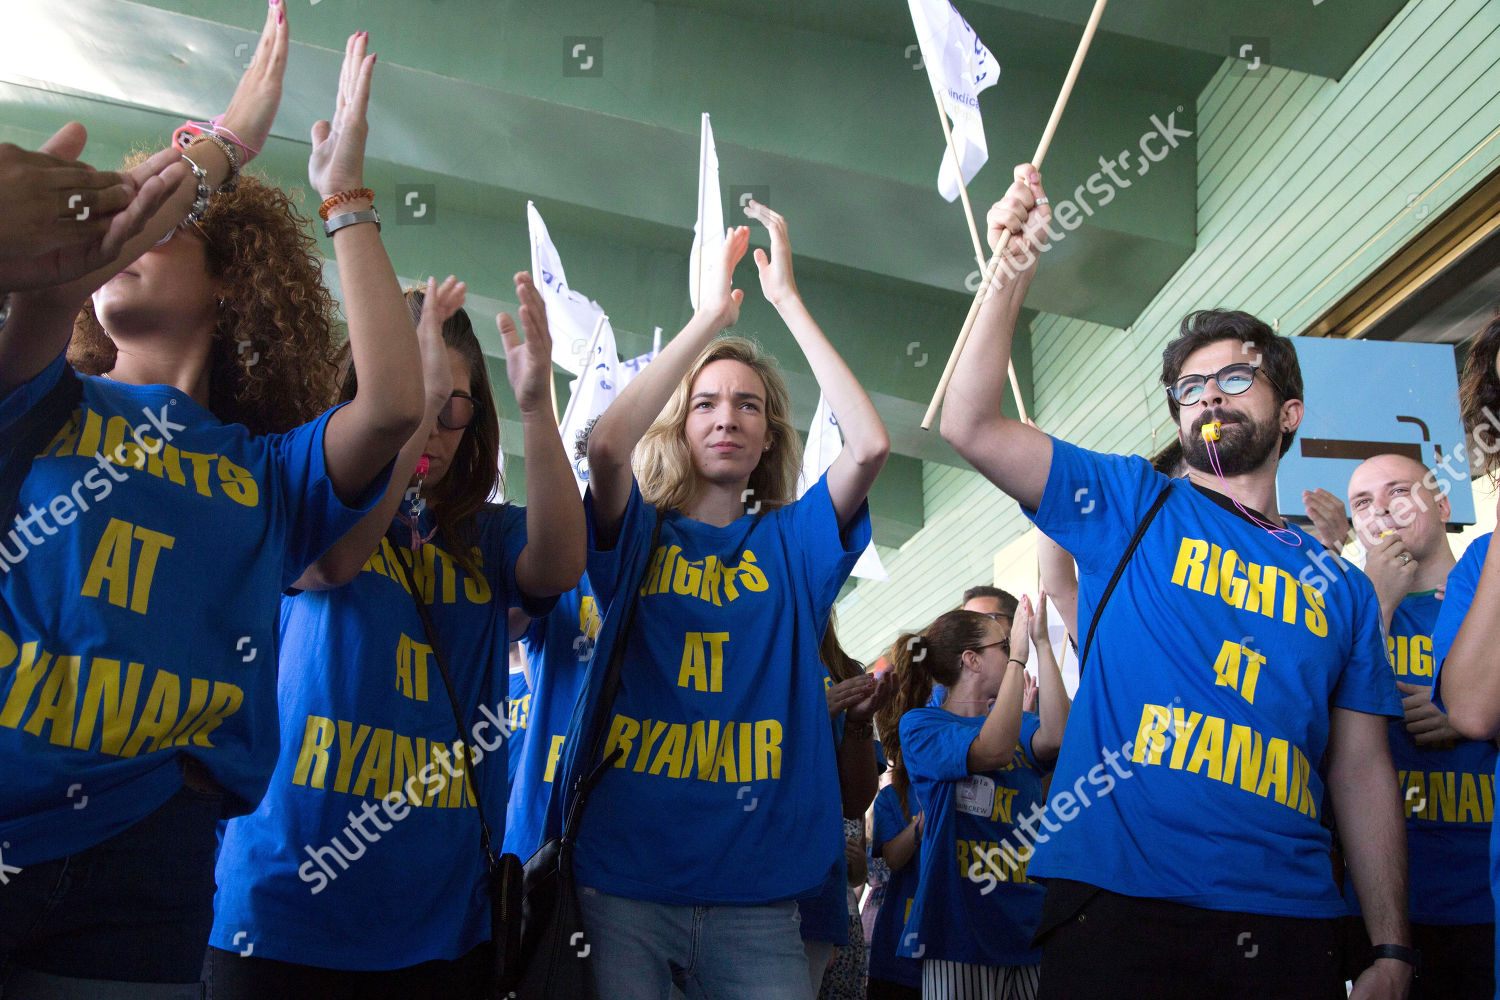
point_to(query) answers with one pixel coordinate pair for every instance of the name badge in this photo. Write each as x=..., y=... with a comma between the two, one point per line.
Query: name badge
x=976, y=795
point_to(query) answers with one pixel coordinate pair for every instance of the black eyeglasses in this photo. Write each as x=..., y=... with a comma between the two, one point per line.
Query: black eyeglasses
x=1232, y=379
x=458, y=412
x=1004, y=645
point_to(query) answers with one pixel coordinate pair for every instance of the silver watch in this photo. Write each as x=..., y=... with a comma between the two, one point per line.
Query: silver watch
x=338, y=222
x=4, y=309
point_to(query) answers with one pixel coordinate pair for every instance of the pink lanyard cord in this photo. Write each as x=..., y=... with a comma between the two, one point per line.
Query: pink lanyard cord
x=1210, y=435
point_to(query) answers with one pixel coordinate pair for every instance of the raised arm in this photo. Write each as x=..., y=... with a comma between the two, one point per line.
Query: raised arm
x=1053, y=703
x=995, y=746
x=556, y=537
x=899, y=849
x=1470, y=682
x=866, y=442
x=347, y=557
x=1008, y=453
x=627, y=419
x=51, y=289
x=1059, y=580
x=362, y=438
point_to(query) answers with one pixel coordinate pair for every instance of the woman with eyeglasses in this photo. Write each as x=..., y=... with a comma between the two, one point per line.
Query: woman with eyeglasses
x=976, y=765
x=173, y=481
x=361, y=875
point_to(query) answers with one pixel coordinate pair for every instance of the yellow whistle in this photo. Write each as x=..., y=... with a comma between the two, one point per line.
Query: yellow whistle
x=1211, y=431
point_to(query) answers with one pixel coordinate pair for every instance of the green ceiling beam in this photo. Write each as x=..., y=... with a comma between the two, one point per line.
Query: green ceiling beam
x=852, y=163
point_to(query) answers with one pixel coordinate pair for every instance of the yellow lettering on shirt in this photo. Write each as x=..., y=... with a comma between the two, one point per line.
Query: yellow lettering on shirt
x=111, y=565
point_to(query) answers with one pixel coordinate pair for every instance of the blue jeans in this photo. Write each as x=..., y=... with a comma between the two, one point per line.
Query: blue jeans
x=641, y=949
x=135, y=908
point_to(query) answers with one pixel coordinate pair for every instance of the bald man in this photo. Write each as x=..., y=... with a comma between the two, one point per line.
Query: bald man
x=1446, y=780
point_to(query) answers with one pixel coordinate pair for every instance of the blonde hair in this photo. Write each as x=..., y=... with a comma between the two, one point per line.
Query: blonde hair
x=663, y=463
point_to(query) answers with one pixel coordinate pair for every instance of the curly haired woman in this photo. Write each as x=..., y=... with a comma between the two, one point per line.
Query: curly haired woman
x=181, y=479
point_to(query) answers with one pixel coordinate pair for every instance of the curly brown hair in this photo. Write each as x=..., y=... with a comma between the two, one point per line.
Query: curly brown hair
x=275, y=302
x=1479, y=395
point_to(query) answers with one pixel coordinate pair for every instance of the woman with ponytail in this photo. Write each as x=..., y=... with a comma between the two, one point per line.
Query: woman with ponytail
x=976, y=765
x=897, y=840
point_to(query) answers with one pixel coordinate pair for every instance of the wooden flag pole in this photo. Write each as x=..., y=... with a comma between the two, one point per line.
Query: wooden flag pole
x=963, y=190
x=989, y=270
x=958, y=169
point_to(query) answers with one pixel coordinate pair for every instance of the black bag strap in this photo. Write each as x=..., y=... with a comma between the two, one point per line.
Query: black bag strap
x=394, y=536
x=608, y=690
x=30, y=435
x=1135, y=540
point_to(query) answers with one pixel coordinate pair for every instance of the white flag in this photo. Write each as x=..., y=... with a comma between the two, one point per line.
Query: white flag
x=707, y=254
x=824, y=442
x=571, y=315
x=592, y=392
x=959, y=67
x=630, y=368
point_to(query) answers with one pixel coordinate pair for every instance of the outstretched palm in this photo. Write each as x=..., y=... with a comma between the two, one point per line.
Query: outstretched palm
x=338, y=155
x=528, y=364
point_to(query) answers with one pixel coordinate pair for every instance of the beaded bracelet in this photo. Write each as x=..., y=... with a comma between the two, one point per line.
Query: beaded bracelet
x=232, y=181
x=341, y=197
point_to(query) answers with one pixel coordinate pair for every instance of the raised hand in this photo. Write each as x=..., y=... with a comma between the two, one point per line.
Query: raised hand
x=846, y=694
x=26, y=199
x=875, y=698
x=253, y=106
x=1020, y=630
x=1039, y=632
x=438, y=305
x=1330, y=523
x=338, y=154
x=528, y=365
x=1023, y=213
x=776, y=280
x=1390, y=568
x=53, y=202
x=1028, y=694
x=721, y=301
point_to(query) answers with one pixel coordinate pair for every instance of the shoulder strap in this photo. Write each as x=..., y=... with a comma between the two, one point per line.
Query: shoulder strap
x=607, y=692
x=458, y=719
x=1135, y=540
x=31, y=434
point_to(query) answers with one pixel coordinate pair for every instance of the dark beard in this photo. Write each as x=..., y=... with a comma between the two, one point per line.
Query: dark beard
x=1242, y=447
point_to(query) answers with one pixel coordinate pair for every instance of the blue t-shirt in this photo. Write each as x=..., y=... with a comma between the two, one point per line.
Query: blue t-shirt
x=518, y=708
x=558, y=647
x=824, y=913
x=727, y=791
x=1448, y=793
x=975, y=903
x=367, y=721
x=1463, y=580
x=1203, y=714
x=138, y=596
x=900, y=895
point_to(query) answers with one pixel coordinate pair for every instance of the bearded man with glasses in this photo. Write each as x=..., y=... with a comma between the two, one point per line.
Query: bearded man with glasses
x=1244, y=693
